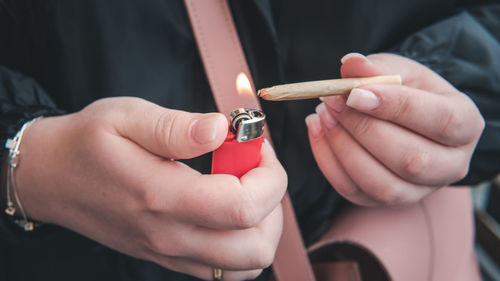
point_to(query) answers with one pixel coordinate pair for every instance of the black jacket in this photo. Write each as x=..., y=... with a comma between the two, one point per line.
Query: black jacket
x=78, y=51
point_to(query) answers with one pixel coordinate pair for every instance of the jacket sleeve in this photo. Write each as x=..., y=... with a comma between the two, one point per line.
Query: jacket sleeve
x=21, y=99
x=465, y=50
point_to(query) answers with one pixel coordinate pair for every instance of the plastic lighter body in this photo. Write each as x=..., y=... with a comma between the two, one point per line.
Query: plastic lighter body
x=240, y=152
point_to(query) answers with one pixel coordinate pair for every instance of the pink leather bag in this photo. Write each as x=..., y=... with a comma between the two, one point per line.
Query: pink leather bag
x=431, y=240
x=428, y=241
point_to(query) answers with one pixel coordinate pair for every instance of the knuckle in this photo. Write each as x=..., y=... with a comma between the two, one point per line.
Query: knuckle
x=93, y=137
x=160, y=244
x=92, y=132
x=346, y=190
x=362, y=127
x=403, y=107
x=263, y=256
x=462, y=171
x=96, y=121
x=284, y=177
x=415, y=164
x=244, y=213
x=477, y=126
x=481, y=123
x=283, y=180
x=477, y=122
x=152, y=201
x=164, y=131
x=397, y=194
x=408, y=198
x=460, y=174
x=389, y=195
x=452, y=124
x=253, y=274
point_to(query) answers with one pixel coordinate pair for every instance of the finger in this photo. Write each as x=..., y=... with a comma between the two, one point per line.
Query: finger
x=447, y=120
x=357, y=65
x=409, y=155
x=329, y=165
x=370, y=175
x=222, y=201
x=173, y=134
x=215, y=201
x=202, y=271
x=272, y=180
x=412, y=73
x=246, y=249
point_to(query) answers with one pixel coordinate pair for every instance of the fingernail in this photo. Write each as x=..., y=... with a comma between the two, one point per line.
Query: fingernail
x=336, y=103
x=314, y=125
x=352, y=55
x=325, y=116
x=205, y=129
x=362, y=99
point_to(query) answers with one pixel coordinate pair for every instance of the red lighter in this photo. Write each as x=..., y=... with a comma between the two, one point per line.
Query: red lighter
x=240, y=152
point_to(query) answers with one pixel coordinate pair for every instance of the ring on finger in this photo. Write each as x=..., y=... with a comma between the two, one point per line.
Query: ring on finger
x=217, y=274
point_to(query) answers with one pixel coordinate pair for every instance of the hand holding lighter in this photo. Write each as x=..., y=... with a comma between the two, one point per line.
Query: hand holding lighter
x=240, y=151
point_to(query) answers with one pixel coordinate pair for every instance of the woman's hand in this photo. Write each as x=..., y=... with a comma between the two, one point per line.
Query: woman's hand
x=394, y=144
x=109, y=173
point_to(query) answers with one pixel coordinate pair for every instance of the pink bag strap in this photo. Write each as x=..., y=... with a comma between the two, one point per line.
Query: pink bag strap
x=223, y=59
x=221, y=52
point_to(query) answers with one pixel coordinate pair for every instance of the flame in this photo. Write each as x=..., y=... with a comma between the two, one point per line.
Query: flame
x=243, y=85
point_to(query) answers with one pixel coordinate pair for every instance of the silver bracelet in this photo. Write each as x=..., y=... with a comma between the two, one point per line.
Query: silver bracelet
x=13, y=160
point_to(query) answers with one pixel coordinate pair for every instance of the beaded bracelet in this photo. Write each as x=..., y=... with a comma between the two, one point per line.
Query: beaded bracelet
x=13, y=160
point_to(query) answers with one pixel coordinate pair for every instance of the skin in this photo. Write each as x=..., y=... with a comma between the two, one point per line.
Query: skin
x=110, y=173
x=394, y=144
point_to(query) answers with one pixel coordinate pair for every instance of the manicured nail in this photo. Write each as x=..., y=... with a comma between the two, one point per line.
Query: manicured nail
x=314, y=125
x=336, y=103
x=352, y=55
x=205, y=129
x=325, y=116
x=361, y=99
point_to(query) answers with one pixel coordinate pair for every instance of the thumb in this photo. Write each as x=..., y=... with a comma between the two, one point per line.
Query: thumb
x=172, y=134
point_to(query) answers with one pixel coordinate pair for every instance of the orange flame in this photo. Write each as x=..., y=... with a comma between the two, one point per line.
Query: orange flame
x=243, y=85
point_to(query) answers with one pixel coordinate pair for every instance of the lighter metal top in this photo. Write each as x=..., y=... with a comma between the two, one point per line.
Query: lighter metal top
x=247, y=124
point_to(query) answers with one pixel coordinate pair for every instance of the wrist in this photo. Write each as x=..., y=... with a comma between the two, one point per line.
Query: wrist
x=12, y=202
x=3, y=180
